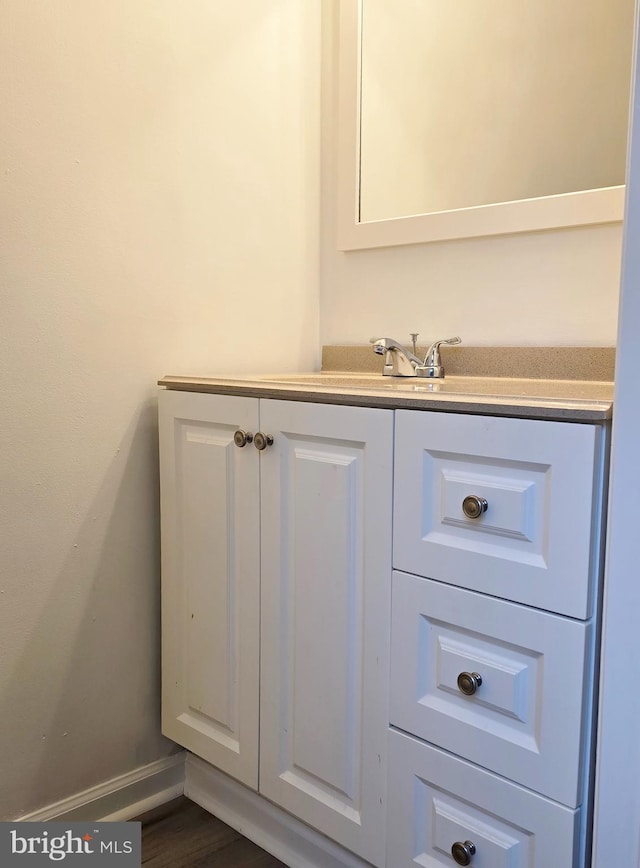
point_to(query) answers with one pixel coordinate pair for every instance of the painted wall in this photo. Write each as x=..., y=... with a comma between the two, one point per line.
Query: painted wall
x=160, y=188
x=544, y=288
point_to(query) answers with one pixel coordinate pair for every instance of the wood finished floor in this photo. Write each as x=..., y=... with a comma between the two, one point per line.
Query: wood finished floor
x=181, y=834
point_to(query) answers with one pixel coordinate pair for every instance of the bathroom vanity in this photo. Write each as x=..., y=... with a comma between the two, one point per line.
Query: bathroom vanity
x=380, y=607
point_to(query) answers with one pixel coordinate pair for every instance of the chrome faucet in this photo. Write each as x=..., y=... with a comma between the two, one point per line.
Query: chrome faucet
x=401, y=362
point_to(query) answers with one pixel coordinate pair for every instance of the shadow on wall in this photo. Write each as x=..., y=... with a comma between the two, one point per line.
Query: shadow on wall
x=82, y=703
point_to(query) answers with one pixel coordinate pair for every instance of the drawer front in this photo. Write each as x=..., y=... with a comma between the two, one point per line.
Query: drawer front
x=533, y=544
x=526, y=674
x=437, y=801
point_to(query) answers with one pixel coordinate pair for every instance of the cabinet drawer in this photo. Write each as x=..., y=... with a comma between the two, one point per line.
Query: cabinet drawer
x=437, y=800
x=534, y=543
x=525, y=720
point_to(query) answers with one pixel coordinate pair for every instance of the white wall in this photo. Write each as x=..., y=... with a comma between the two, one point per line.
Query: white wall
x=542, y=288
x=617, y=793
x=160, y=179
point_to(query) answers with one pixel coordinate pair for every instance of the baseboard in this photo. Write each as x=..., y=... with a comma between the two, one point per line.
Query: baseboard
x=120, y=798
x=277, y=832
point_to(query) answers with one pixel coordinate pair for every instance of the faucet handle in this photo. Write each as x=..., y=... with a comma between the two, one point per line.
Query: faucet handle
x=432, y=366
x=433, y=353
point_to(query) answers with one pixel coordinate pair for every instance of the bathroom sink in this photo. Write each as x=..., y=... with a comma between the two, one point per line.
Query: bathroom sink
x=498, y=388
x=345, y=381
x=359, y=382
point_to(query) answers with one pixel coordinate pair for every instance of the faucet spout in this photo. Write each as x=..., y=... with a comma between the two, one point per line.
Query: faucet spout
x=399, y=361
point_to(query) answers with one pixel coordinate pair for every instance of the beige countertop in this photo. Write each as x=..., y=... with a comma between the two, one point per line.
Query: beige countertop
x=577, y=400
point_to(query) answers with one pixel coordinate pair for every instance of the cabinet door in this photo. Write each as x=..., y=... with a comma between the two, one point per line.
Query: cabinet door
x=210, y=579
x=537, y=541
x=326, y=579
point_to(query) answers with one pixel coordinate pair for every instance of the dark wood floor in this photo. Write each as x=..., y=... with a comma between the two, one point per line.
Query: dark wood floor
x=181, y=834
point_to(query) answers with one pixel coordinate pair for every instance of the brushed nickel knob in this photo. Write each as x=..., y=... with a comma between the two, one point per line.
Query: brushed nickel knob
x=468, y=682
x=473, y=506
x=463, y=851
x=261, y=441
x=241, y=438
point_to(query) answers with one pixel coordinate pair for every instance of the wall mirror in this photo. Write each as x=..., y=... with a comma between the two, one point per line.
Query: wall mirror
x=462, y=118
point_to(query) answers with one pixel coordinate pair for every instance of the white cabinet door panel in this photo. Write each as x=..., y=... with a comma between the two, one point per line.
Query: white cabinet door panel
x=534, y=543
x=326, y=569
x=210, y=579
x=437, y=801
x=525, y=718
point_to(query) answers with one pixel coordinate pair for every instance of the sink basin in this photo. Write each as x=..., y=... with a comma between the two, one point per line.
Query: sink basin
x=459, y=385
x=367, y=381
x=345, y=381
x=496, y=388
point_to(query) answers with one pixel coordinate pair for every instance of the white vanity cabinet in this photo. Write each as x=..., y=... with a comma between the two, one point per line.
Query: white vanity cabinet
x=497, y=556
x=428, y=708
x=276, y=594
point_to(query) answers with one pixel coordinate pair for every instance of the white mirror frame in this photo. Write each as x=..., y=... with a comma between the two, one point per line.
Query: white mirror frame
x=604, y=205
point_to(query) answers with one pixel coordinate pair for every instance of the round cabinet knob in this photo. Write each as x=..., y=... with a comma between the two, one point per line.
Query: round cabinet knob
x=241, y=438
x=468, y=682
x=462, y=852
x=261, y=441
x=473, y=506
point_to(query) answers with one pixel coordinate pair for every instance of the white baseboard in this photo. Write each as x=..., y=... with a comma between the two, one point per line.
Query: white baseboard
x=120, y=798
x=277, y=832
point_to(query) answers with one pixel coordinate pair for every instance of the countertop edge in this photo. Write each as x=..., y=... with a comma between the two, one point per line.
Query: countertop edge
x=560, y=410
